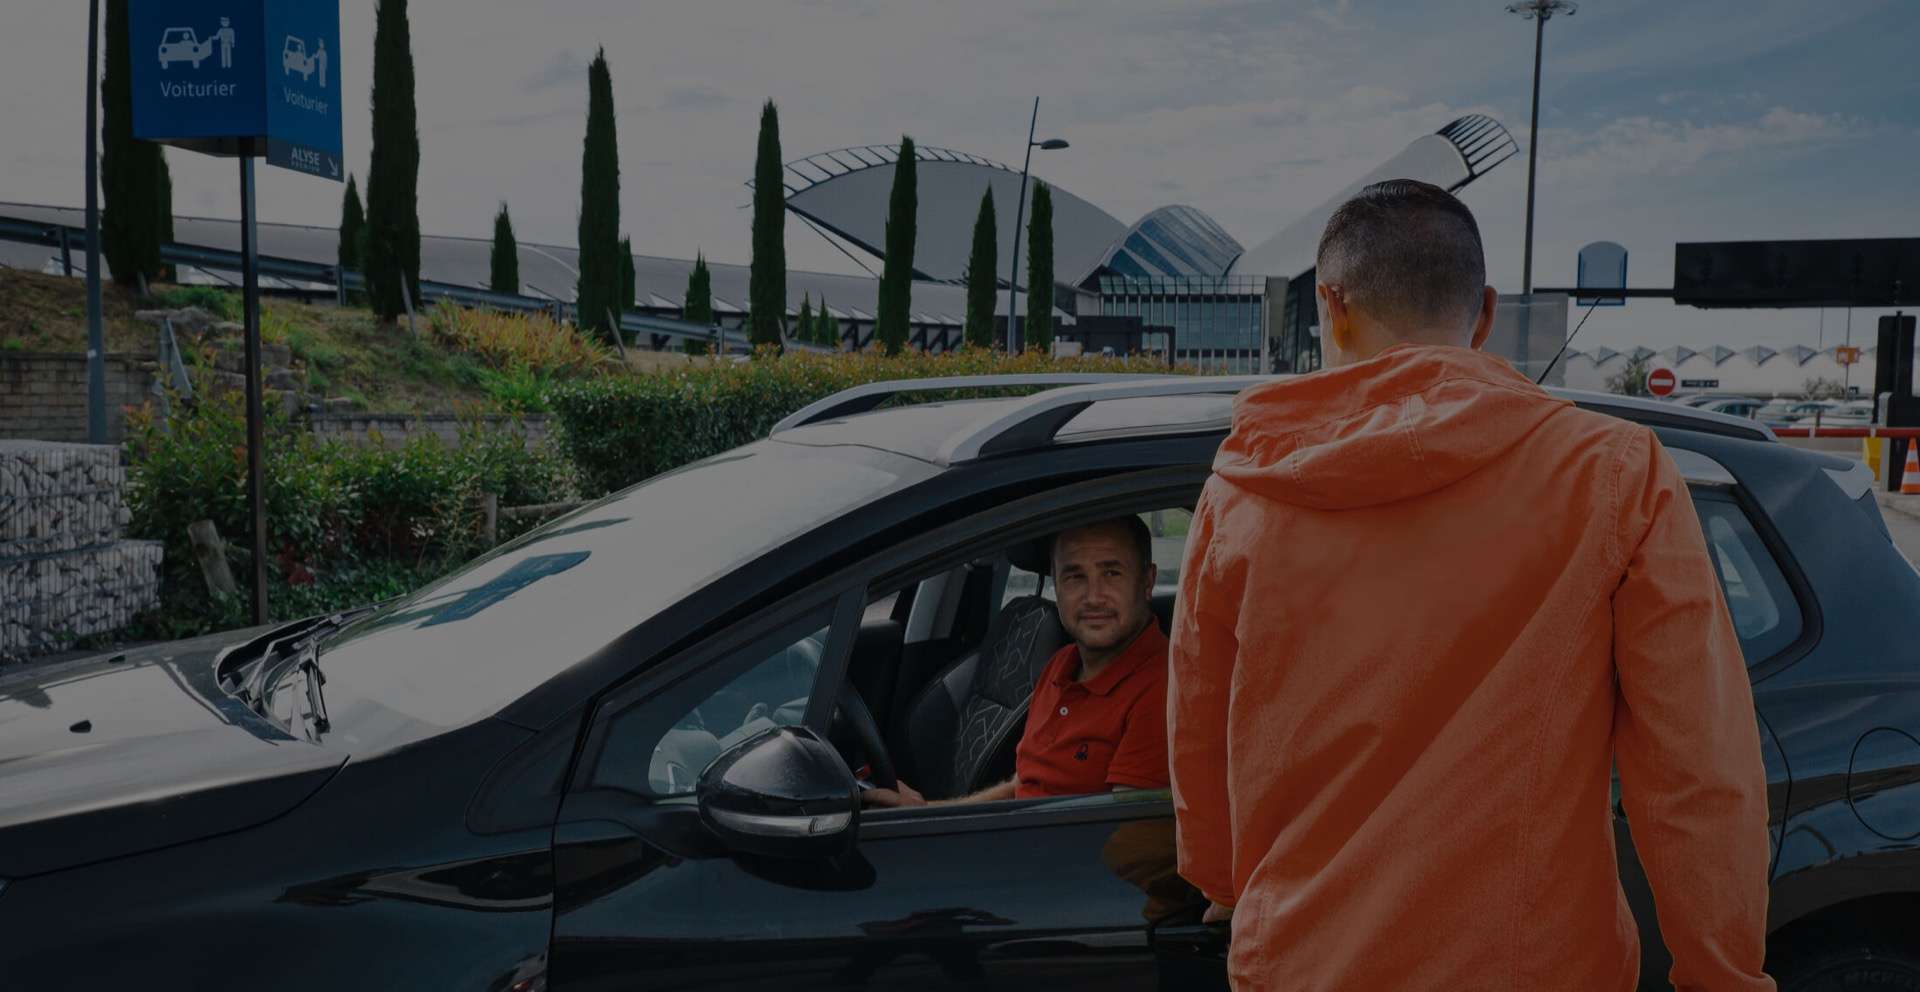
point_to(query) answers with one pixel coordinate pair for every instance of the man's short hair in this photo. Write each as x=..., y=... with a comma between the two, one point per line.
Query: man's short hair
x=1136, y=531
x=1405, y=251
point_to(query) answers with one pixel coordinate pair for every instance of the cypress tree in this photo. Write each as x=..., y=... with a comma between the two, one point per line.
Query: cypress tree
x=826, y=327
x=804, y=332
x=698, y=305
x=767, y=280
x=353, y=227
x=629, y=279
x=391, y=258
x=131, y=172
x=896, y=275
x=1039, y=325
x=981, y=266
x=505, y=275
x=598, y=290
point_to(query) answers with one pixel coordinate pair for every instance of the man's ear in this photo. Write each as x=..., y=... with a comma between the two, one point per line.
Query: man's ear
x=1483, y=324
x=1336, y=321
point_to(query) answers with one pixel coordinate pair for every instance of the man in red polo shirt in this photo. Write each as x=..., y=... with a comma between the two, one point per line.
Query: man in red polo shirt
x=1098, y=719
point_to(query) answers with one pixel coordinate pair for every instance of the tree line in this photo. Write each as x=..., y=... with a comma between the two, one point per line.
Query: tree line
x=380, y=238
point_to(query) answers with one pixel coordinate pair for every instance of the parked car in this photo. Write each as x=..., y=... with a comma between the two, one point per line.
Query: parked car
x=1781, y=413
x=1856, y=413
x=1736, y=406
x=180, y=45
x=620, y=751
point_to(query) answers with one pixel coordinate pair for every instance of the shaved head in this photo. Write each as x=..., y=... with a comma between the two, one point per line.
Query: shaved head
x=1406, y=253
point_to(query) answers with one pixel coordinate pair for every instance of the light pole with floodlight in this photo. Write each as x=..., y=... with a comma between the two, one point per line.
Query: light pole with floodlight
x=1539, y=12
x=1019, y=217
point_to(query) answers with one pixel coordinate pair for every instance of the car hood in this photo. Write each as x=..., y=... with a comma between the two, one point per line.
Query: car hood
x=123, y=753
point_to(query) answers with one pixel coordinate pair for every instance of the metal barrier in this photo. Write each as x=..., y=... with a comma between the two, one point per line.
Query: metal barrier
x=661, y=333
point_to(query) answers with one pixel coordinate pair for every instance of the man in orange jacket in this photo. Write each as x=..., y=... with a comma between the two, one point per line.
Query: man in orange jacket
x=1426, y=609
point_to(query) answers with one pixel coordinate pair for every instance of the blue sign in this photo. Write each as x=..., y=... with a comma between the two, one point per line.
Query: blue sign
x=240, y=77
x=1603, y=265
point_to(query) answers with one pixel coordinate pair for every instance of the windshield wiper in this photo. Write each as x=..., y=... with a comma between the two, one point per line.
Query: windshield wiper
x=255, y=676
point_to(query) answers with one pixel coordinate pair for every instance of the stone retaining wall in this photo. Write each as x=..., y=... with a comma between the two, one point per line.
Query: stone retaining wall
x=64, y=572
x=43, y=395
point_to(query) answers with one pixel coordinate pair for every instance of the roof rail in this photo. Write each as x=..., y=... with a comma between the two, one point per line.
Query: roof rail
x=869, y=396
x=1035, y=421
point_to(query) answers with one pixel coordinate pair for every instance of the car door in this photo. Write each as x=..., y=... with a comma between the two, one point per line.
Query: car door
x=1054, y=894
x=1769, y=618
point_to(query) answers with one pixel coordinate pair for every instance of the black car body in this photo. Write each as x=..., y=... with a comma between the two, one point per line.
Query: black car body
x=617, y=753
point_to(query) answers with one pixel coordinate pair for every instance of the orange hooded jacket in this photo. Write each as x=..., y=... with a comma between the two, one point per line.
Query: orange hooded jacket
x=1426, y=609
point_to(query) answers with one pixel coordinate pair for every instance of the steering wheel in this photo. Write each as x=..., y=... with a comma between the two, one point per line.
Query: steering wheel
x=853, y=709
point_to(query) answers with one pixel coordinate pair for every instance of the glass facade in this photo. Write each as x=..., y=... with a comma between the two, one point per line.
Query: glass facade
x=1216, y=323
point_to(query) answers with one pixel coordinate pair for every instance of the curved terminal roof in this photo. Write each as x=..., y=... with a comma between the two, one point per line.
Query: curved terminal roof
x=1172, y=241
x=1452, y=157
x=845, y=192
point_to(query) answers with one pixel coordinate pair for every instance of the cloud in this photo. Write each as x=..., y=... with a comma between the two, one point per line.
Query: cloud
x=563, y=68
x=694, y=96
x=1645, y=145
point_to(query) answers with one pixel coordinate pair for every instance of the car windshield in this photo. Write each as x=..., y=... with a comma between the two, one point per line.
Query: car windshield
x=480, y=638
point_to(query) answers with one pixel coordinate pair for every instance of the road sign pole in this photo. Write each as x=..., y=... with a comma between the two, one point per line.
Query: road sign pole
x=96, y=334
x=256, y=476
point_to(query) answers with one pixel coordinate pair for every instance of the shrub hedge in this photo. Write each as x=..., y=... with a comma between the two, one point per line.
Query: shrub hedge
x=346, y=524
x=618, y=431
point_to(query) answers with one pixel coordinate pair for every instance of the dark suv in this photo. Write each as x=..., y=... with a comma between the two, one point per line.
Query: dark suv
x=621, y=752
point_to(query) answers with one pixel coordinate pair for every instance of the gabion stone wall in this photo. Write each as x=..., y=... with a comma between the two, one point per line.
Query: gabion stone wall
x=64, y=571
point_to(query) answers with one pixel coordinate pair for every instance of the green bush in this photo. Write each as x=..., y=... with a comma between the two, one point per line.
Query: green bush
x=346, y=524
x=219, y=302
x=618, y=431
x=518, y=388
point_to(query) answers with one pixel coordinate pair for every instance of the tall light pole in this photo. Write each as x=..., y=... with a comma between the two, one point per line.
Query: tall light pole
x=1539, y=12
x=1019, y=218
x=96, y=335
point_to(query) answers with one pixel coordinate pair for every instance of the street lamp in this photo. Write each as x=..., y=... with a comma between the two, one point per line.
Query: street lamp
x=1539, y=12
x=1019, y=217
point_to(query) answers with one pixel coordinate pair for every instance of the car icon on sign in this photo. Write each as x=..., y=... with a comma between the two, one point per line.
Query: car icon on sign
x=294, y=58
x=180, y=45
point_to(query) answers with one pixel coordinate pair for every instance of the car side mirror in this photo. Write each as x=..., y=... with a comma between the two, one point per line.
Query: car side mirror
x=783, y=793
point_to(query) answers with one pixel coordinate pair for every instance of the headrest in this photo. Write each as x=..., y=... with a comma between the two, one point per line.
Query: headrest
x=1035, y=555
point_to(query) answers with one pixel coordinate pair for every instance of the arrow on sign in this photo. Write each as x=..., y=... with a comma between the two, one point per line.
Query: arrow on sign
x=333, y=166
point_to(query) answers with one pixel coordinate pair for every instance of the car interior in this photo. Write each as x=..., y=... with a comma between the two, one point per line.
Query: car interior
x=938, y=679
x=947, y=665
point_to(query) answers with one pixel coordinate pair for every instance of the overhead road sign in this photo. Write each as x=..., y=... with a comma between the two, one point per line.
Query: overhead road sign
x=1861, y=272
x=240, y=77
x=1602, y=266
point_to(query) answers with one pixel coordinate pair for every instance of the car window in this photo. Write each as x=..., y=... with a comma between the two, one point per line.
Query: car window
x=514, y=618
x=659, y=744
x=1765, y=613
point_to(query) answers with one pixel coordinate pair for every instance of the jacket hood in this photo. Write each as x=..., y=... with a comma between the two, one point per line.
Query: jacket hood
x=1410, y=420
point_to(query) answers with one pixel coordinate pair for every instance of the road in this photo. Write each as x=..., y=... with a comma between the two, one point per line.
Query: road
x=1906, y=532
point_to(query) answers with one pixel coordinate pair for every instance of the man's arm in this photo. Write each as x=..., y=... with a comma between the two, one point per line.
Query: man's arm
x=907, y=795
x=1685, y=738
x=1199, y=672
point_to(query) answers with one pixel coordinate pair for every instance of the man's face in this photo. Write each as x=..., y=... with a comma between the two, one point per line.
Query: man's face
x=1104, y=591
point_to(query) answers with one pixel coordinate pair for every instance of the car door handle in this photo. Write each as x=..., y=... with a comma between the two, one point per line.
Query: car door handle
x=1199, y=940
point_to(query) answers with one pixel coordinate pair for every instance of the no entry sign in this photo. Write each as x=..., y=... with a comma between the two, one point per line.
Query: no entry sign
x=1660, y=382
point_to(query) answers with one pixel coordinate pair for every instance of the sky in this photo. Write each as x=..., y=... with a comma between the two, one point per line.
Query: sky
x=1659, y=121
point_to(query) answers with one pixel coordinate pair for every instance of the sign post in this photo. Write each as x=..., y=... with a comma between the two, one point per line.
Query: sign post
x=242, y=78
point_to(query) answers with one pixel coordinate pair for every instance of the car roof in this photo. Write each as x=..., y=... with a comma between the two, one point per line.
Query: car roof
x=1113, y=408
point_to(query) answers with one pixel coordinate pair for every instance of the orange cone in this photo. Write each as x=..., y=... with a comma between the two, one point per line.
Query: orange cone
x=1910, y=476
